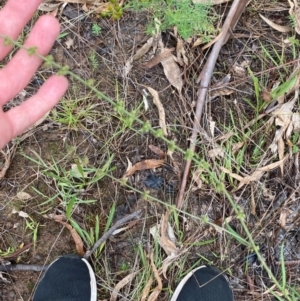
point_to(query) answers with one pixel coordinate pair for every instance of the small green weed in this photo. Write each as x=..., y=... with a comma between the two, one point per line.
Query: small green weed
x=73, y=111
x=94, y=60
x=295, y=139
x=70, y=182
x=189, y=18
x=91, y=236
x=32, y=225
x=7, y=252
x=96, y=29
x=114, y=10
x=125, y=266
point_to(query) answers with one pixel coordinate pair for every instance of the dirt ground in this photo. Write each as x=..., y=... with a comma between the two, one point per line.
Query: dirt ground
x=270, y=202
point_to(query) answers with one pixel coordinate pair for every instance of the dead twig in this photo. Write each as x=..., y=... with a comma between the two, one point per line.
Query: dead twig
x=291, y=262
x=106, y=235
x=23, y=267
x=204, y=79
x=16, y=253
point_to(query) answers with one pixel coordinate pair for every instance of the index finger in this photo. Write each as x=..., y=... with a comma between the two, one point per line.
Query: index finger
x=13, y=17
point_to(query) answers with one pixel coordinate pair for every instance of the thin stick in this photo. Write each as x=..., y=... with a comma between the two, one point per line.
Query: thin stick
x=291, y=262
x=22, y=267
x=106, y=235
x=205, y=77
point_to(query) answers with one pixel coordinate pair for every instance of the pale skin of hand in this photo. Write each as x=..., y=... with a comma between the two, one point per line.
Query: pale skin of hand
x=15, y=76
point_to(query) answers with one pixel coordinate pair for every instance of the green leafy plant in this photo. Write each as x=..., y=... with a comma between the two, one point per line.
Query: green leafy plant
x=189, y=18
x=96, y=29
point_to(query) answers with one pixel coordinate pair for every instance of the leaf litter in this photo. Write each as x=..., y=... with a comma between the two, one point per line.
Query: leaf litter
x=161, y=110
x=147, y=163
x=238, y=146
x=76, y=237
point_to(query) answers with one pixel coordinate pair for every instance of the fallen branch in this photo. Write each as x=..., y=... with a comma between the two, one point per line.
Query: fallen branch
x=204, y=80
x=106, y=235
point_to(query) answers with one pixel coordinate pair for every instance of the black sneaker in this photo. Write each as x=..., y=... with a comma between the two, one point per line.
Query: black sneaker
x=69, y=278
x=203, y=284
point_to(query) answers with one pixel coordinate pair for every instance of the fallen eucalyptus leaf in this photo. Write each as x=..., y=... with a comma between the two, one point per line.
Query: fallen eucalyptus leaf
x=120, y=285
x=173, y=73
x=161, y=110
x=276, y=26
x=143, y=165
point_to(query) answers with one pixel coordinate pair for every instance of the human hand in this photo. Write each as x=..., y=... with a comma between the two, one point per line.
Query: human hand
x=17, y=73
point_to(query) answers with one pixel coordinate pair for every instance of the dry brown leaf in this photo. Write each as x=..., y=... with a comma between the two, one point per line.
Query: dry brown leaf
x=282, y=218
x=181, y=53
x=158, y=58
x=267, y=194
x=143, y=165
x=256, y=175
x=48, y=7
x=167, y=239
x=250, y=283
x=253, y=204
x=276, y=26
x=173, y=72
x=239, y=69
x=296, y=122
x=234, y=175
x=140, y=53
x=165, y=236
x=157, y=151
x=120, y=285
x=23, y=214
x=170, y=260
x=219, y=92
x=197, y=177
x=69, y=42
x=23, y=196
x=284, y=121
x=297, y=19
x=259, y=172
x=128, y=66
x=237, y=146
x=212, y=125
x=156, y=291
x=143, y=50
x=272, y=165
x=77, y=239
x=281, y=145
x=129, y=166
x=213, y=41
x=146, y=289
x=198, y=42
x=216, y=152
x=161, y=110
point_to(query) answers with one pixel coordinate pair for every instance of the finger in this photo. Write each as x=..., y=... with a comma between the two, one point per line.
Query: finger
x=13, y=17
x=16, y=75
x=18, y=119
